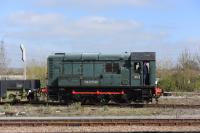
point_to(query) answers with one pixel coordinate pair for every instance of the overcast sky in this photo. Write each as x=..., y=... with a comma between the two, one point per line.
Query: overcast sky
x=107, y=26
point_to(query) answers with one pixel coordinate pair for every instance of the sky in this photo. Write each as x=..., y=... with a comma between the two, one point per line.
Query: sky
x=44, y=27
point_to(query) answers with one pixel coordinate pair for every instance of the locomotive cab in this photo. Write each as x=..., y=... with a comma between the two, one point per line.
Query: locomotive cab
x=142, y=69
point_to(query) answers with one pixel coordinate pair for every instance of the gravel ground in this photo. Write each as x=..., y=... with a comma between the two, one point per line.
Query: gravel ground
x=44, y=111
x=77, y=110
x=180, y=100
x=96, y=129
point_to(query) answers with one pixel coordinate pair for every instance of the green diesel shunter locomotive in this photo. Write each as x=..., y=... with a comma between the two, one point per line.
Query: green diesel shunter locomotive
x=100, y=78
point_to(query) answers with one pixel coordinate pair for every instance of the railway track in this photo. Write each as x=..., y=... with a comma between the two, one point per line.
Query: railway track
x=135, y=105
x=186, y=106
x=100, y=122
x=183, y=106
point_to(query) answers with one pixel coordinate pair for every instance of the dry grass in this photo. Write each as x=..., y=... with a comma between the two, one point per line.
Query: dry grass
x=195, y=100
x=77, y=110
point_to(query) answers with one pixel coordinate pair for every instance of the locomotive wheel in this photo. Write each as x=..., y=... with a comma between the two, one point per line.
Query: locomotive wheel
x=12, y=96
x=88, y=100
x=66, y=100
x=100, y=100
x=103, y=99
x=124, y=99
x=94, y=100
x=84, y=100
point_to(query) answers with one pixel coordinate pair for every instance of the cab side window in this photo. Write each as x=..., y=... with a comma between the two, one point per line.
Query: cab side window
x=137, y=67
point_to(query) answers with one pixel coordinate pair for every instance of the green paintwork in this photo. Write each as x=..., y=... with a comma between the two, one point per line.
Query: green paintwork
x=111, y=80
x=69, y=81
x=88, y=70
x=111, y=57
x=136, y=77
x=73, y=70
x=152, y=72
x=124, y=76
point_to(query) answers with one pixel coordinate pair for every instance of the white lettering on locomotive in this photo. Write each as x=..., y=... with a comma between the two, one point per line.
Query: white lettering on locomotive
x=91, y=81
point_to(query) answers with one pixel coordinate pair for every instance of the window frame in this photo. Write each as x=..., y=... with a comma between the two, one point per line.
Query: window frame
x=137, y=70
x=113, y=68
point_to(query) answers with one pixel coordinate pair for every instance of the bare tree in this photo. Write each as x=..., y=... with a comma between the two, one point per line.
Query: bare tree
x=37, y=70
x=197, y=58
x=3, y=59
x=165, y=64
x=187, y=61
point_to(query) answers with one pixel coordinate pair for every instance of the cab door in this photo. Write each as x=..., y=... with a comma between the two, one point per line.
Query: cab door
x=136, y=73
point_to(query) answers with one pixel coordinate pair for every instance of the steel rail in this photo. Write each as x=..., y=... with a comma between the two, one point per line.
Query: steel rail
x=182, y=106
x=102, y=122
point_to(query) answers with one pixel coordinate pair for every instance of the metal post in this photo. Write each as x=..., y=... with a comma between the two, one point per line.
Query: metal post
x=24, y=70
x=23, y=58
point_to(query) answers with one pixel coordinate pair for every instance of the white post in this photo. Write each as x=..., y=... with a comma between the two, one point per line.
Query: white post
x=23, y=58
x=24, y=70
